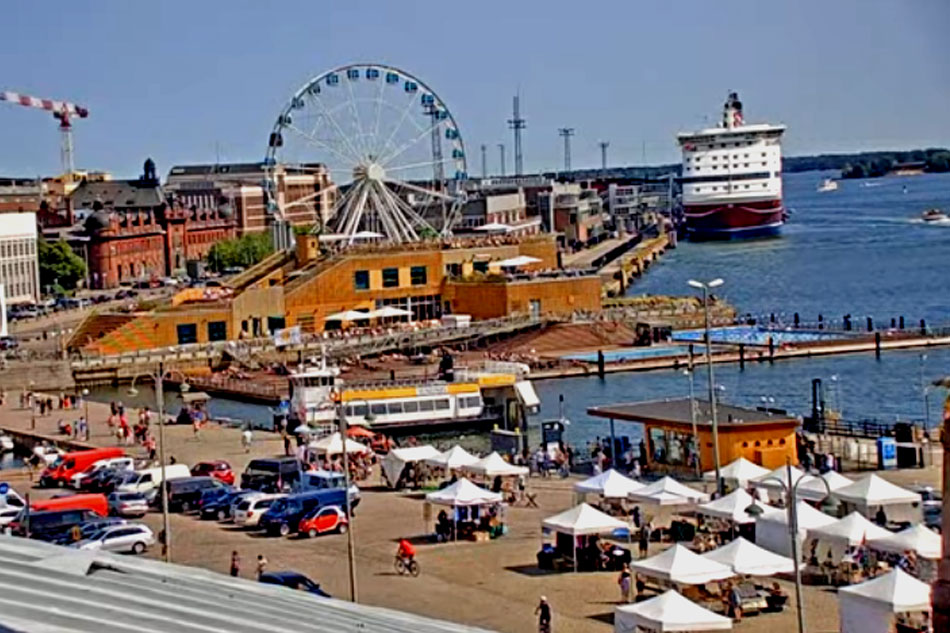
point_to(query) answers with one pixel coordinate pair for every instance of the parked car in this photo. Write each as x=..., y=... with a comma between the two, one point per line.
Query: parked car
x=12, y=499
x=48, y=526
x=323, y=520
x=292, y=580
x=93, y=502
x=248, y=512
x=75, y=462
x=328, y=480
x=284, y=516
x=87, y=529
x=7, y=515
x=145, y=480
x=212, y=495
x=128, y=504
x=133, y=538
x=183, y=494
x=81, y=479
x=219, y=469
x=267, y=475
x=221, y=507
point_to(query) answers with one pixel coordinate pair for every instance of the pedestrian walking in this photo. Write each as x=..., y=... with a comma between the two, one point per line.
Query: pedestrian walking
x=543, y=611
x=261, y=565
x=625, y=581
x=235, y=564
x=246, y=437
x=644, y=541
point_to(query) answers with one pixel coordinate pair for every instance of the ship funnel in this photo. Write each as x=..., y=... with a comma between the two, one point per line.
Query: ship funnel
x=732, y=111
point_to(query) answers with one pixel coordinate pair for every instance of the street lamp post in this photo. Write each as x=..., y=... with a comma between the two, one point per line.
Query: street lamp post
x=791, y=489
x=350, y=552
x=706, y=287
x=692, y=417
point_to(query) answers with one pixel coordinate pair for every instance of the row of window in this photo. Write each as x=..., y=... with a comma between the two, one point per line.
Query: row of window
x=727, y=188
x=188, y=332
x=715, y=157
x=714, y=167
x=417, y=277
x=398, y=408
x=25, y=247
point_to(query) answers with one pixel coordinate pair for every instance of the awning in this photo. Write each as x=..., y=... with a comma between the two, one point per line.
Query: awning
x=516, y=262
x=193, y=397
x=527, y=396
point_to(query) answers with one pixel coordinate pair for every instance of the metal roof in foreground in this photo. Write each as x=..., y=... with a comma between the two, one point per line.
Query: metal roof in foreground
x=677, y=411
x=49, y=588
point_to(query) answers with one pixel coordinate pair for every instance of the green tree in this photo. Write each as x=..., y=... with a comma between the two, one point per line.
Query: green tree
x=244, y=251
x=60, y=267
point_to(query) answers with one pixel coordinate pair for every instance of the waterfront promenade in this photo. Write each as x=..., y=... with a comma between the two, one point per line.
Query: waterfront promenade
x=493, y=584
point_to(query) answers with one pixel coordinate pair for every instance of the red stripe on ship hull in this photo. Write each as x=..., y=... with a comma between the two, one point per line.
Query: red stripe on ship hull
x=739, y=215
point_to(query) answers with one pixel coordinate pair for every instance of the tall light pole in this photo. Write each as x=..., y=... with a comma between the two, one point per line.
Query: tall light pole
x=706, y=287
x=941, y=594
x=692, y=416
x=350, y=552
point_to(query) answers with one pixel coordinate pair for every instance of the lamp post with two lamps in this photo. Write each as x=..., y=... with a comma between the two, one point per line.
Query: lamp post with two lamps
x=791, y=498
x=688, y=372
x=706, y=287
x=159, y=379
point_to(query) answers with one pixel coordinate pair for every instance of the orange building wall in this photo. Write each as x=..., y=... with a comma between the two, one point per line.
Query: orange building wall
x=490, y=300
x=761, y=444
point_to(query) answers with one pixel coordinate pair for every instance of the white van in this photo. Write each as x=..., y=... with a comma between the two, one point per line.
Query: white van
x=146, y=480
x=118, y=463
x=248, y=512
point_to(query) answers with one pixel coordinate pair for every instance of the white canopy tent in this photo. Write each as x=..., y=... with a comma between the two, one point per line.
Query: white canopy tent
x=394, y=461
x=868, y=607
x=803, y=480
x=668, y=491
x=455, y=457
x=838, y=536
x=609, y=484
x=772, y=531
x=669, y=611
x=584, y=519
x=869, y=494
x=494, y=465
x=333, y=445
x=916, y=538
x=679, y=564
x=463, y=493
x=732, y=507
x=348, y=315
x=747, y=558
x=814, y=487
x=739, y=471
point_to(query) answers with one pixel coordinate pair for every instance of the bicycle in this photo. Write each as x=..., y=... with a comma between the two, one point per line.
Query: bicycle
x=404, y=566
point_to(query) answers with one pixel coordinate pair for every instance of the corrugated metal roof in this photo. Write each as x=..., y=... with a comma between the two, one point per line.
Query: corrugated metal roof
x=46, y=587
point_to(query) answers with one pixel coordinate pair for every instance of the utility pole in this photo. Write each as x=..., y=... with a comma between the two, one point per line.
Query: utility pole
x=160, y=406
x=566, y=133
x=603, y=158
x=484, y=149
x=501, y=149
x=350, y=552
x=516, y=123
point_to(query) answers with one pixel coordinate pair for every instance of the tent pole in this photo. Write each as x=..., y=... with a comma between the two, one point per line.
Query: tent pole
x=574, y=543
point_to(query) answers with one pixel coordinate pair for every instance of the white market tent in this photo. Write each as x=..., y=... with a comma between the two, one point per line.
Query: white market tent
x=747, y=558
x=669, y=611
x=806, y=483
x=771, y=529
x=872, y=492
x=397, y=459
x=455, y=457
x=868, y=607
x=916, y=538
x=740, y=471
x=679, y=564
x=463, y=493
x=732, y=507
x=494, y=465
x=668, y=491
x=814, y=487
x=609, y=484
x=333, y=445
x=838, y=536
x=583, y=519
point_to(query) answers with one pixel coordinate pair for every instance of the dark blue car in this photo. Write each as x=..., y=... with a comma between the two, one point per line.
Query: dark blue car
x=293, y=580
x=283, y=517
x=219, y=506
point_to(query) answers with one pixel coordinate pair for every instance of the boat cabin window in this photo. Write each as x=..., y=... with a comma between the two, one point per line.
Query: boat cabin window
x=316, y=381
x=441, y=404
x=378, y=409
x=410, y=406
x=426, y=405
x=394, y=407
x=358, y=410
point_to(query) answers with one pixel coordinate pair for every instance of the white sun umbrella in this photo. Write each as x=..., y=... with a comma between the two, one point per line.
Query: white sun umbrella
x=679, y=564
x=740, y=470
x=731, y=507
x=367, y=235
x=669, y=611
x=748, y=559
x=388, y=311
x=333, y=445
x=868, y=607
x=610, y=484
x=916, y=538
x=348, y=315
x=493, y=226
x=517, y=262
x=494, y=465
x=664, y=490
x=455, y=457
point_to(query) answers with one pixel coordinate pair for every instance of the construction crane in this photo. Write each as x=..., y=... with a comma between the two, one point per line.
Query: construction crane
x=63, y=111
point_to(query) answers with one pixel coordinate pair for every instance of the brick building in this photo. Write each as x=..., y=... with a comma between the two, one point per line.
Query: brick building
x=137, y=232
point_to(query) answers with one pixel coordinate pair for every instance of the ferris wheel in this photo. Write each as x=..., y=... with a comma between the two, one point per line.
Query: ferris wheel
x=391, y=148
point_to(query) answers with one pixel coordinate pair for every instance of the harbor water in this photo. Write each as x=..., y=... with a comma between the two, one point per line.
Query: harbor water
x=860, y=250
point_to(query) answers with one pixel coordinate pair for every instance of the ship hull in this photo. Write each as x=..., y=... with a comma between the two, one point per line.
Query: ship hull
x=734, y=220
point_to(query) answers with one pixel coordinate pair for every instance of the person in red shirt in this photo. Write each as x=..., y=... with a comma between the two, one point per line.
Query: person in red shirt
x=406, y=551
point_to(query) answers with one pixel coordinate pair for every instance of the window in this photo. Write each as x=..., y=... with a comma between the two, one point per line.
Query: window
x=361, y=280
x=410, y=406
x=218, y=331
x=187, y=333
x=390, y=277
x=417, y=275
x=442, y=404
x=426, y=405
x=378, y=409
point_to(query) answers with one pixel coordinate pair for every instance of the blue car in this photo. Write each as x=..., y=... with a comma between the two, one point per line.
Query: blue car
x=293, y=580
x=283, y=517
x=221, y=508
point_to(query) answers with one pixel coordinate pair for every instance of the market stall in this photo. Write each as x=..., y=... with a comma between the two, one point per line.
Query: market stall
x=783, y=478
x=494, y=465
x=577, y=532
x=683, y=566
x=669, y=611
x=737, y=472
x=668, y=491
x=748, y=559
x=732, y=507
x=452, y=459
x=917, y=538
x=872, y=606
x=476, y=512
x=829, y=542
x=874, y=497
x=772, y=530
x=398, y=464
x=610, y=484
x=333, y=445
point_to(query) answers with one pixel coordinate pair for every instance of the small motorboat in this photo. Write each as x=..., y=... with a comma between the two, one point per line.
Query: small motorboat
x=934, y=215
x=6, y=443
x=48, y=453
x=828, y=184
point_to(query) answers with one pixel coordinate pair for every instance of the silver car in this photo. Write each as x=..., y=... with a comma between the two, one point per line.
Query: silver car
x=133, y=538
x=127, y=504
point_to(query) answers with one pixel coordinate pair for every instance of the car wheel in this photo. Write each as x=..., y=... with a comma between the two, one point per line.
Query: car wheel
x=343, y=528
x=138, y=548
x=222, y=515
x=186, y=506
x=312, y=533
x=284, y=529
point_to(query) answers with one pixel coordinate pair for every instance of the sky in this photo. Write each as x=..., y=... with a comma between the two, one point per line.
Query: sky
x=186, y=82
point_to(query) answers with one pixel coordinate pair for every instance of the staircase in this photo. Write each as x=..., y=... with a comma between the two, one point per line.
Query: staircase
x=136, y=334
x=95, y=326
x=566, y=336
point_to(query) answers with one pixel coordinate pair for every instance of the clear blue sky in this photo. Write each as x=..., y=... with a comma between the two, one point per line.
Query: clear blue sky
x=172, y=79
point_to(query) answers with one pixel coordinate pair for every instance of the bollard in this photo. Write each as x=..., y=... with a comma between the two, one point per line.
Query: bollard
x=877, y=345
x=893, y=323
x=821, y=322
x=923, y=328
x=901, y=323
x=870, y=324
x=771, y=349
x=741, y=355
x=600, y=363
x=797, y=319
x=772, y=317
x=847, y=323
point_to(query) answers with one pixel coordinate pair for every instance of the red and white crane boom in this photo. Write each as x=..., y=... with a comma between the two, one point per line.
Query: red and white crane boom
x=63, y=111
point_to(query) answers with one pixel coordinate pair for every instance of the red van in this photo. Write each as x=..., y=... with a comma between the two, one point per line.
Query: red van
x=60, y=473
x=95, y=502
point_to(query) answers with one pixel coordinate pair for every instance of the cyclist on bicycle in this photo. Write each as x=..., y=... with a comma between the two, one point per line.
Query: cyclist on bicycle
x=406, y=552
